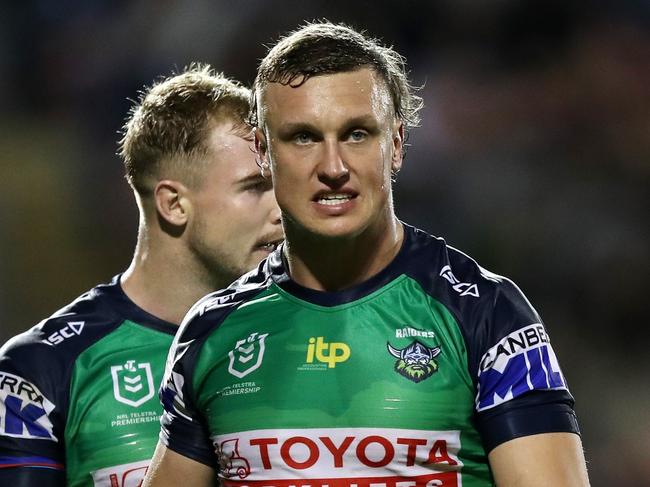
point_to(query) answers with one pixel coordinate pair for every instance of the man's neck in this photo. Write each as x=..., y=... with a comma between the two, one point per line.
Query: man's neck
x=337, y=264
x=164, y=284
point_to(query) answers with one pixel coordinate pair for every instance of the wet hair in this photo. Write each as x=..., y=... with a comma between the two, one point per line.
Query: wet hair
x=166, y=132
x=326, y=48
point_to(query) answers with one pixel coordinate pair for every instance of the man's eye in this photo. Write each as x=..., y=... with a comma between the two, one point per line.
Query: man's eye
x=303, y=138
x=358, y=135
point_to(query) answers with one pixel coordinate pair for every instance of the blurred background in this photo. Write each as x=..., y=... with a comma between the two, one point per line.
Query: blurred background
x=533, y=157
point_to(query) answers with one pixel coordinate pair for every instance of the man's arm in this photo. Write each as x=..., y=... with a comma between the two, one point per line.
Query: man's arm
x=540, y=460
x=31, y=405
x=171, y=469
x=32, y=477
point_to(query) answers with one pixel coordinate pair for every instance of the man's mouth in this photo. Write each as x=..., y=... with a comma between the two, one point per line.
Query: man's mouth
x=333, y=199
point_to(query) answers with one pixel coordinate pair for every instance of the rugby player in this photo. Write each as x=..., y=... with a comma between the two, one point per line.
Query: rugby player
x=78, y=392
x=363, y=352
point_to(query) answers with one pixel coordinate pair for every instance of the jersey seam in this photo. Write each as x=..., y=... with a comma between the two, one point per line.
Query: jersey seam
x=331, y=309
x=457, y=322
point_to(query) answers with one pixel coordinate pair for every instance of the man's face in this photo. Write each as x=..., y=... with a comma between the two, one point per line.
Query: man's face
x=332, y=144
x=236, y=221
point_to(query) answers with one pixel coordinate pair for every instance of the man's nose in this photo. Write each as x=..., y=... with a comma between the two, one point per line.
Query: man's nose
x=332, y=167
x=275, y=213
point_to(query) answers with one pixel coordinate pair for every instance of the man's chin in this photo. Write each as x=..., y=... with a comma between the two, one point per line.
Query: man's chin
x=257, y=256
x=335, y=229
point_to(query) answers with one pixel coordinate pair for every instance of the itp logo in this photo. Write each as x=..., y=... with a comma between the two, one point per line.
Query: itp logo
x=327, y=353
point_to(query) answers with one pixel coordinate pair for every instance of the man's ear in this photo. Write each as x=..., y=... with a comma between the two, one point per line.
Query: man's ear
x=398, y=147
x=172, y=205
x=262, y=152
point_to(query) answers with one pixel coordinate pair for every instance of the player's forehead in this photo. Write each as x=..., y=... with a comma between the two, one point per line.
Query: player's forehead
x=355, y=94
x=230, y=152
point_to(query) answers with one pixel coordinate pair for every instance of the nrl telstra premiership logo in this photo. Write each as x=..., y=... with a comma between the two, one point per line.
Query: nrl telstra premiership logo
x=415, y=362
x=247, y=355
x=132, y=383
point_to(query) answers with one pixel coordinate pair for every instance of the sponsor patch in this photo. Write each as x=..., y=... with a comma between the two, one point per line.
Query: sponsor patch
x=247, y=355
x=132, y=383
x=231, y=463
x=24, y=410
x=520, y=362
x=339, y=457
x=416, y=361
x=322, y=355
x=126, y=475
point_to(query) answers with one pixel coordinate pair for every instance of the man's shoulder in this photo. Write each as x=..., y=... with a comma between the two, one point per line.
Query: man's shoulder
x=447, y=271
x=211, y=310
x=36, y=368
x=66, y=332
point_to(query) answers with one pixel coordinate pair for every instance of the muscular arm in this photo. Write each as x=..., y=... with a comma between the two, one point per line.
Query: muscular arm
x=32, y=477
x=540, y=460
x=170, y=469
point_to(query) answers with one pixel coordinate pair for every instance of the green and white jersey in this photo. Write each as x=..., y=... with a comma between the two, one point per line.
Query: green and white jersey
x=408, y=379
x=78, y=392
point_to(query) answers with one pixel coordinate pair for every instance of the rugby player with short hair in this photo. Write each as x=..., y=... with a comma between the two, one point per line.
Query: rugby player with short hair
x=78, y=392
x=363, y=352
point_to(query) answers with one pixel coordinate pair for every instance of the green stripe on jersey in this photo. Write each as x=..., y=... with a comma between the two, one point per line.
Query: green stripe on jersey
x=113, y=420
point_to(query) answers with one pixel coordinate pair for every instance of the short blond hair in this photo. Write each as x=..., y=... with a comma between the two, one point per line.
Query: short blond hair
x=166, y=131
x=321, y=48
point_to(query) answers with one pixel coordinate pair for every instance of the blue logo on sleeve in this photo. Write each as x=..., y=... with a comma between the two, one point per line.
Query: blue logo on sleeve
x=522, y=361
x=24, y=411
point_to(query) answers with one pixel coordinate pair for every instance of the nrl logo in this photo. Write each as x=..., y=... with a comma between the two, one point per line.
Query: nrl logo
x=415, y=362
x=247, y=355
x=132, y=383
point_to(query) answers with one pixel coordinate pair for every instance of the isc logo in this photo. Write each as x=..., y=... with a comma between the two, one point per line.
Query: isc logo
x=327, y=353
x=72, y=329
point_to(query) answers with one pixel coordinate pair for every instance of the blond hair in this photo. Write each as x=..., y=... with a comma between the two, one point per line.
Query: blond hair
x=166, y=131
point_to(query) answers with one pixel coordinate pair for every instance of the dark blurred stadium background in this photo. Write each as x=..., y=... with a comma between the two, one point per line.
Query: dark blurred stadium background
x=533, y=157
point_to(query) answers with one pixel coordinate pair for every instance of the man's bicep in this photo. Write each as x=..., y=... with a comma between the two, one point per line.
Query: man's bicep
x=31, y=424
x=540, y=460
x=32, y=477
x=171, y=469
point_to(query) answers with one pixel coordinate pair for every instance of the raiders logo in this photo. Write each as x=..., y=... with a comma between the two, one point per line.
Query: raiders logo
x=415, y=362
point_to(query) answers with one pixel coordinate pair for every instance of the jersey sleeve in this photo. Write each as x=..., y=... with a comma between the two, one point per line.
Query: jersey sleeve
x=521, y=390
x=183, y=428
x=31, y=403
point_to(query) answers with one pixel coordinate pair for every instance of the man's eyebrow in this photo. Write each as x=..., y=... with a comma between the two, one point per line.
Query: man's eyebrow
x=254, y=177
x=367, y=119
x=295, y=127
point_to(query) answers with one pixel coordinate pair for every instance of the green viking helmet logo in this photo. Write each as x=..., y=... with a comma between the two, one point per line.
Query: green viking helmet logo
x=415, y=362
